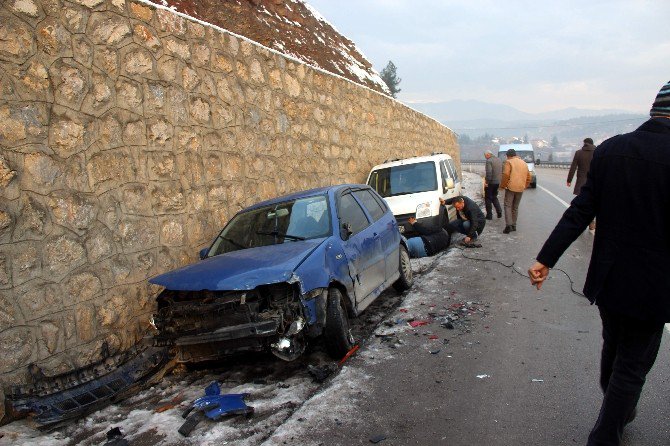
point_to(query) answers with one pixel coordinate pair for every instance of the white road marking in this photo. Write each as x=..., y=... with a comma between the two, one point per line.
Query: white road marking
x=564, y=203
x=560, y=200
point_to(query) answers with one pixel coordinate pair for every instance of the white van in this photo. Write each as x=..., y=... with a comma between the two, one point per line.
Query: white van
x=526, y=153
x=414, y=186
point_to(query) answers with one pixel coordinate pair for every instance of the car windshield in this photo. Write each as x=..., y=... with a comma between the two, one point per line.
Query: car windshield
x=406, y=179
x=526, y=155
x=289, y=221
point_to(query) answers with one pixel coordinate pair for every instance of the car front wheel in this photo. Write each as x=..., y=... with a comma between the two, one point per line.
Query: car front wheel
x=337, y=333
x=406, y=278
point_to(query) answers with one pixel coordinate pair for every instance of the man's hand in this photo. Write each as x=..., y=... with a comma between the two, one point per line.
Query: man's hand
x=568, y=183
x=486, y=184
x=411, y=220
x=538, y=273
x=442, y=202
x=467, y=239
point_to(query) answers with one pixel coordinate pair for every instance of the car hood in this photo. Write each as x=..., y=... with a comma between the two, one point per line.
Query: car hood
x=240, y=270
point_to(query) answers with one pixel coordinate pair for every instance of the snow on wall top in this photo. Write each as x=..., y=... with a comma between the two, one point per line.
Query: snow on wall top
x=290, y=26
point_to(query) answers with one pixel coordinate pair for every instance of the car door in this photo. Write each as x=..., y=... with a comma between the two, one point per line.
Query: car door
x=447, y=174
x=361, y=245
x=386, y=229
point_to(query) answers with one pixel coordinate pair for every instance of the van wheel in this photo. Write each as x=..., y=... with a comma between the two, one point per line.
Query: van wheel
x=533, y=185
x=337, y=333
x=406, y=279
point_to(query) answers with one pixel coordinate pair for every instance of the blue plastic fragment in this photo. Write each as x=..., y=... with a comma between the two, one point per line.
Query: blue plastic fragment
x=213, y=389
x=217, y=406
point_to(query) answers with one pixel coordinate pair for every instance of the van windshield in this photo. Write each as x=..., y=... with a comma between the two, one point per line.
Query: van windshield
x=526, y=155
x=407, y=179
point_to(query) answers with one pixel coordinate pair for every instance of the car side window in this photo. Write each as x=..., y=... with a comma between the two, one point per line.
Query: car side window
x=369, y=202
x=445, y=171
x=351, y=212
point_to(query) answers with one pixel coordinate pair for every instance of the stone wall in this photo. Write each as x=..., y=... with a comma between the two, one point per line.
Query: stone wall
x=129, y=135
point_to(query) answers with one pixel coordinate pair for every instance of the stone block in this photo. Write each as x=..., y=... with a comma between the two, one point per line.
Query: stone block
x=6, y=224
x=110, y=169
x=178, y=109
x=9, y=316
x=172, y=231
x=170, y=23
x=167, y=198
x=35, y=82
x=70, y=132
x=7, y=174
x=155, y=98
x=38, y=299
x=61, y=255
x=146, y=36
x=115, y=310
x=107, y=60
x=17, y=347
x=134, y=133
x=136, y=200
x=129, y=95
x=25, y=7
x=53, y=39
x=99, y=245
x=50, y=337
x=162, y=166
x=201, y=55
x=168, y=67
x=190, y=78
x=191, y=166
x=73, y=210
x=89, y=3
x=34, y=219
x=138, y=234
x=100, y=97
x=256, y=72
x=222, y=62
x=23, y=123
x=81, y=287
x=110, y=29
x=177, y=48
x=200, y=111
x=86, y=322
x=137, y=61
x=75, y=18
x=17, y=39
x=159, y=133
x=141, y=12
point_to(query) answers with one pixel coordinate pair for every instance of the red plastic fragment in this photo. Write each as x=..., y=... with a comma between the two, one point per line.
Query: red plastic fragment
x=349, y=353
x=415, y=324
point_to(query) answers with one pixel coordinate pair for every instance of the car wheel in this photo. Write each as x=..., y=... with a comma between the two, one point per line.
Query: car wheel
x=533, y=184
x=337, y=333
x=406, y=278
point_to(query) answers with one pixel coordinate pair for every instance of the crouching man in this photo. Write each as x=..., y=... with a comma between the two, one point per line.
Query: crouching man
x=431, y=239
x=470, y=219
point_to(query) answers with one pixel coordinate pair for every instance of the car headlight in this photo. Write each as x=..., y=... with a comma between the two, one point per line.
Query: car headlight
x=423, y=210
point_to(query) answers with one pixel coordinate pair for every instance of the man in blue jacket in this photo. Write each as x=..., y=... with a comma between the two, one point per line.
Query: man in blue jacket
x=629, y=281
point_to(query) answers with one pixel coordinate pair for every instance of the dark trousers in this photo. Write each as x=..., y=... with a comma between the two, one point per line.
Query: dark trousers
x=463, y=226
x=512, y=200
x=629, y=350
x=491, y=198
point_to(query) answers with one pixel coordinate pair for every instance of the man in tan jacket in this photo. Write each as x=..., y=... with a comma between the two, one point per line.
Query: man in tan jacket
x=515, y=179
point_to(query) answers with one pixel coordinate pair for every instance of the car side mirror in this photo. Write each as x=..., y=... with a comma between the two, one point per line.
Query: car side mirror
x=203, y=253
x=346, y=231
x=450, y=183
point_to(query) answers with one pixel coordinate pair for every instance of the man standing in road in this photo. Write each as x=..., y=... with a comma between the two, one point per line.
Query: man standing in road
x=470, y=219
x=629, y=281
x=515, y=179
x=491, y=184
x=581, y=163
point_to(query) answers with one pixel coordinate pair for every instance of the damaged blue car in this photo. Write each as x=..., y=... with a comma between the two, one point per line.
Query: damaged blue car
x=282, y=272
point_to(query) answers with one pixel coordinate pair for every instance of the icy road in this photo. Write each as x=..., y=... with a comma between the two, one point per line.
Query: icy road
x=472, y=355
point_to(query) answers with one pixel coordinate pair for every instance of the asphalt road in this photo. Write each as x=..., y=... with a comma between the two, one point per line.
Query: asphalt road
x=526, y=373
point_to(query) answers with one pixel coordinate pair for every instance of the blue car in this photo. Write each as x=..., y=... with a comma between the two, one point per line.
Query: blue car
x=282, y=272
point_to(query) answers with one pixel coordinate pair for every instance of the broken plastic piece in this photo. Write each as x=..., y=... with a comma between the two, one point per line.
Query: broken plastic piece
x=415, y=323
x=483, y=376
x=349, y=353
x=214, y=406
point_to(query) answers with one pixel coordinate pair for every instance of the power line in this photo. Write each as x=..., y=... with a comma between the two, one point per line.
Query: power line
x=546, y=126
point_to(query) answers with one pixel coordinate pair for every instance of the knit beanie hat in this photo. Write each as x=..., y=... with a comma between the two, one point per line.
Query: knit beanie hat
x=588, y=141
x=661, y=105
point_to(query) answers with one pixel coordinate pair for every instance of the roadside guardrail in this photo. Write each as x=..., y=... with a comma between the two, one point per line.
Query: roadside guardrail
x=547, y=164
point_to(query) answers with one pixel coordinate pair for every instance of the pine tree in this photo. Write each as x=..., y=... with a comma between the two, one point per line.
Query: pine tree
x=390, y=78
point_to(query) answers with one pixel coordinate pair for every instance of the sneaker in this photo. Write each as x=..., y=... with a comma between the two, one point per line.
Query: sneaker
x=507, y=229
x=513, y=228
x=499, y=215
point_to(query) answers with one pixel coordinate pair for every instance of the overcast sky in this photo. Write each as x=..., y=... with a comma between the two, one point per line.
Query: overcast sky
x=533, y=55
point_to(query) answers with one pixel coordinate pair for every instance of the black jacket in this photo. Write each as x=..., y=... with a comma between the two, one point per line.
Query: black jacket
x=580, y=164
x=628, y=190
x=473, y=213
x=435, y=239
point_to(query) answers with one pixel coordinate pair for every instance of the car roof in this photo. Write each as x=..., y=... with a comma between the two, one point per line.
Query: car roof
x=303, y=194
x=412, y=160
x=505, y=147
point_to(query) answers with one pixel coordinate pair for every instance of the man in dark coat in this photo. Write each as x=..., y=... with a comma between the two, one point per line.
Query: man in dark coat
x=581, y=163
x=470, y=218
x=431, y=239
x=491, y=184
x=628, y=280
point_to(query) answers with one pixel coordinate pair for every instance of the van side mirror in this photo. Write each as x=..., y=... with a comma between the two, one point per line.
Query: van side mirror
x=450, y=183
x=203, y=253
x=345, y=231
